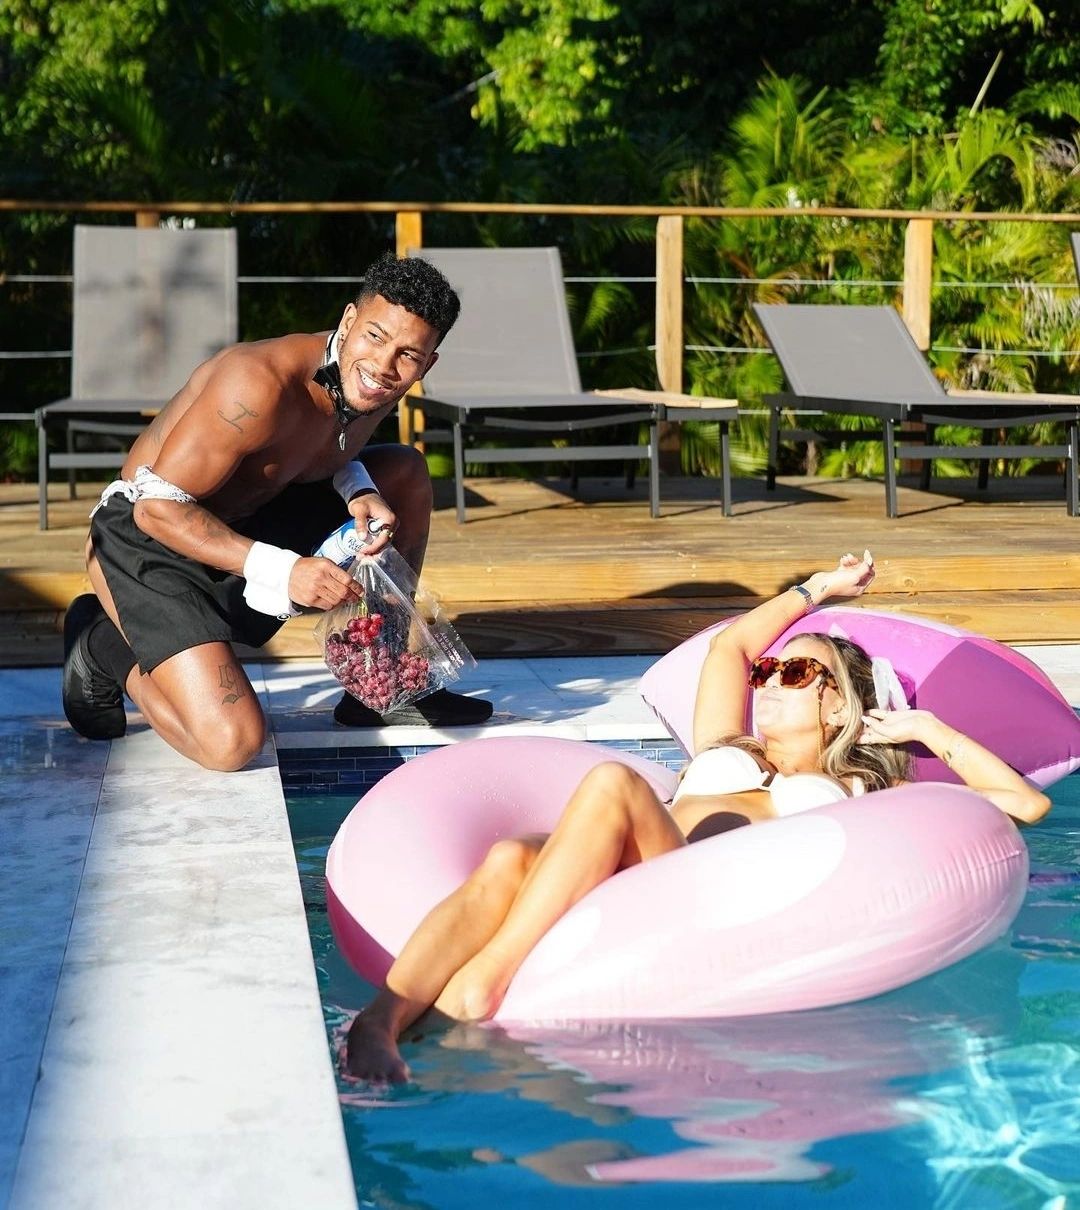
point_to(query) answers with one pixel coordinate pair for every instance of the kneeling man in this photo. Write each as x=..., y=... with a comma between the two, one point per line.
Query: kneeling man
x=202, y=541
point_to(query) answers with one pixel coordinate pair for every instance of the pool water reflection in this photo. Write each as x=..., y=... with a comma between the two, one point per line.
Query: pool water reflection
x=962, y=1090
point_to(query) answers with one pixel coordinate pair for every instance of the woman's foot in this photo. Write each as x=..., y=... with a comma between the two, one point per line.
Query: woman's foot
x=371, y=1052
x=476, y=991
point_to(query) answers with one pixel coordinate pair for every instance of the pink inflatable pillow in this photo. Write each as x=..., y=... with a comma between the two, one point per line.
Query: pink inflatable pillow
x=980, y=686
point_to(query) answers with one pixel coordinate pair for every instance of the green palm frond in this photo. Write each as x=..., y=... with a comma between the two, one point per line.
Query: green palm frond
x=607, y=302
x=127, y=110
x=1055, y=99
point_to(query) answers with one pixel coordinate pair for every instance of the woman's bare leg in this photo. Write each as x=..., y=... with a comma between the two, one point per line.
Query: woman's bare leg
x=448, y=936
x=613, y=820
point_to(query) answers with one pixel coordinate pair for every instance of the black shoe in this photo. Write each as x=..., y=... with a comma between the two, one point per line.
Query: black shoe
x=439, y=709
x=93, y=700
x=351, y=713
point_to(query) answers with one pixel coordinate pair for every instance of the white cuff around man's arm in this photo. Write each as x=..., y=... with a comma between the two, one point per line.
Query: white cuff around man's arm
x=267, y=570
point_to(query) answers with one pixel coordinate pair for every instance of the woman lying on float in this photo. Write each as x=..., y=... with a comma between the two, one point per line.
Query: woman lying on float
x=820, y=739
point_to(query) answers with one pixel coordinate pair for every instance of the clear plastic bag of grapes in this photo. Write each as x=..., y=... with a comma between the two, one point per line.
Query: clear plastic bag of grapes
x=392, y=646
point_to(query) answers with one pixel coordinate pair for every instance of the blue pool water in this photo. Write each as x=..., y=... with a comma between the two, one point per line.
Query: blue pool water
x=961, y=1091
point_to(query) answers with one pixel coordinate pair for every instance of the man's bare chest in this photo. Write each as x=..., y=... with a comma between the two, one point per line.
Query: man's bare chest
x=307, y=454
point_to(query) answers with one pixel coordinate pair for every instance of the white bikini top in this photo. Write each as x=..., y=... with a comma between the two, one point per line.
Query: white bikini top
x=729, y=770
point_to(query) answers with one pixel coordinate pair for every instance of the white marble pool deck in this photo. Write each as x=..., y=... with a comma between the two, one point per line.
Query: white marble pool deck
x=161, y=1038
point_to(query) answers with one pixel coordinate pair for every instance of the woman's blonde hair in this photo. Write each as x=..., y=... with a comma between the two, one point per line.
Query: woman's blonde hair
x=878, y=765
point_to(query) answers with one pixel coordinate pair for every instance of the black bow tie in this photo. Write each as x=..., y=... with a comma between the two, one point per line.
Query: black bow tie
x=329, y=378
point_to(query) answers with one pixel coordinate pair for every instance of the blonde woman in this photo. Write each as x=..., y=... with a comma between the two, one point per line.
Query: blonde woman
x=820, y=737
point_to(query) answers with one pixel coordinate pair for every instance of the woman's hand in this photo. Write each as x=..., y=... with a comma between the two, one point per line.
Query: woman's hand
x=896, y=726
x=851, y=578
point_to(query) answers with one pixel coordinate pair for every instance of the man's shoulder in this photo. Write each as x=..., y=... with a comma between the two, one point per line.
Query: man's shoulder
x=275, y=364
x=293, y=347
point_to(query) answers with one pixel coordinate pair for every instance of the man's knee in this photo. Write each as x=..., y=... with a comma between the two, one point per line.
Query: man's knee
x=414, y=464
x=227, y=744
x=400, y=470
x=416, y=480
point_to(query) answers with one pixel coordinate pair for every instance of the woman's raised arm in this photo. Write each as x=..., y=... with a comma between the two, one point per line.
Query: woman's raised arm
x=720, y=705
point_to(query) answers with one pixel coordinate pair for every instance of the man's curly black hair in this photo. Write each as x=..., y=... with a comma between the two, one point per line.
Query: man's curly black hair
x=415, y=284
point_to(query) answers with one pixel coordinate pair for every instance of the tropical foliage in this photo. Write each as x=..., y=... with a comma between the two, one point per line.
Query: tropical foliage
x=944, y=104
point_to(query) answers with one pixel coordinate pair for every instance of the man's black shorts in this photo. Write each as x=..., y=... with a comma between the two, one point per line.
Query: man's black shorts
x=168, y=603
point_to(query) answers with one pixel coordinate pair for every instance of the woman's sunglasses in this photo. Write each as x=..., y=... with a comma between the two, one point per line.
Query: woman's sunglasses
x=795, y=673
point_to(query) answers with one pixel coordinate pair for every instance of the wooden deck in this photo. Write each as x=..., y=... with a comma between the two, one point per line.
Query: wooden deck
x=535, y=570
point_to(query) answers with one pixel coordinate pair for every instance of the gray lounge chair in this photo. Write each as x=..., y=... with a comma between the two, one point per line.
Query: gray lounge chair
x=862, y=361
x=147, y=306
x=509, y=366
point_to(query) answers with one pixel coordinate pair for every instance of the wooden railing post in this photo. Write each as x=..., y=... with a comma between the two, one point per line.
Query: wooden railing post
x=669, y=326
x=409, y=233
x=147, y=218
x=918, y=276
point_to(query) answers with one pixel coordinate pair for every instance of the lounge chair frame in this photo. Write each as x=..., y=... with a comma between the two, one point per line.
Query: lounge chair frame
x=148, y=305
x=509, y=366
x=862, y=361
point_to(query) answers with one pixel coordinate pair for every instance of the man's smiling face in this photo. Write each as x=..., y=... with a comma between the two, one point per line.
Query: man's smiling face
x=384, y=350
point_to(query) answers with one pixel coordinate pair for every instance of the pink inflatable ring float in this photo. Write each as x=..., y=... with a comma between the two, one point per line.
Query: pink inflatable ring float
x=832, y=905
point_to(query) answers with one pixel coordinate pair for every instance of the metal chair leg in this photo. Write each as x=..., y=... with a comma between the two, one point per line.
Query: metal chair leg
x=725, y=468
x=890, y=469
x=928, y=463
x=43, y=472
x=459, y=474
x=774, y=449
x=1072, y=470
x=984, y=472
x=71, y=469
x=654, y=469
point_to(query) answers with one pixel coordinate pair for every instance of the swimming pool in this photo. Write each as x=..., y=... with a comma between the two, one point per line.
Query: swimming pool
x=960, y=1091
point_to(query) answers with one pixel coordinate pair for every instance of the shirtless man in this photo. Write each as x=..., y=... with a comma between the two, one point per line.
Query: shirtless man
x=201, y=542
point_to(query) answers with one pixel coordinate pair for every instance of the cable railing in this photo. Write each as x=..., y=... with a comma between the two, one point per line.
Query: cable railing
x=605, y=279
x=670, y=280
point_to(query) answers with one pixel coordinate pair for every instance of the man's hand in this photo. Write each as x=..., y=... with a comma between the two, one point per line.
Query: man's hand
x=368, y=507
x=321, y=584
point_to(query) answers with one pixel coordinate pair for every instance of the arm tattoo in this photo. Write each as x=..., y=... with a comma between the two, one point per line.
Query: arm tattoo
x=240, y=414
x=230, y=683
